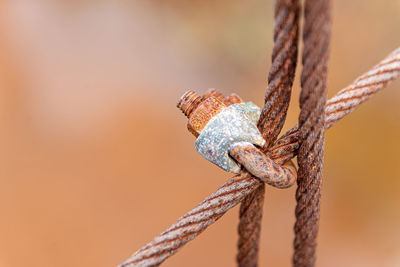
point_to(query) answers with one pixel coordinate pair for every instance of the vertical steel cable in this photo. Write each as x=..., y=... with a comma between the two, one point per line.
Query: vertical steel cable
x=277, y=98
x=283, y=67
x=315, y=56
x=251, y=210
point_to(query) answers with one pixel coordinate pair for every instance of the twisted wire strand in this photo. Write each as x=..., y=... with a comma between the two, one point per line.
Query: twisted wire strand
x=249, y=228
x=262, y=167
x=234, y=191
x=363, y=88
x=283, y=67
x=316, y=38
x=277, y=98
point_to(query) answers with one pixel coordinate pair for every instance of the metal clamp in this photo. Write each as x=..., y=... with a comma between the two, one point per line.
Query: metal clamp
x=233, y=124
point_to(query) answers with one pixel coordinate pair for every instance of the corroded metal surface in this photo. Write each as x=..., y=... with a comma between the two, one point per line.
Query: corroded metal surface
x=234, y=191
x=189, y=102
x=282, y=71
x=230, y=132
x=233, y=124
x=217, y=126
x=214, y=93
x=363, y=88
x=262, y=166
x=277, y=98
x=194, y=222
x=205, y=111
x=314, y=76
x=250, y=227
x=232, y=99
x=344, y=103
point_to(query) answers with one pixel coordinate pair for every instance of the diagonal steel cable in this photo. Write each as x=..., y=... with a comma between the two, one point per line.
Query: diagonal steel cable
x=277, y=98
x=234, y=191
x=314, y=76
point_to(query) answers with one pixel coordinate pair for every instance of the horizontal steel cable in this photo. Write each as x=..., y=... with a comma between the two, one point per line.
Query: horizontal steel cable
x=234, y=191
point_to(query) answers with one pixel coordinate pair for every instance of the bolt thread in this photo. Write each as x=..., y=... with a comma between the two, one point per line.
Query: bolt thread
x=189, y=102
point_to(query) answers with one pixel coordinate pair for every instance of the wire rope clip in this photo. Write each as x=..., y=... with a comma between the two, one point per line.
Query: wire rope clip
x=220, y=122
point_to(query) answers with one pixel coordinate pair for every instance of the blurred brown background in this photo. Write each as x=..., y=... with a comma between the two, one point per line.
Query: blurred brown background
x=96, y=159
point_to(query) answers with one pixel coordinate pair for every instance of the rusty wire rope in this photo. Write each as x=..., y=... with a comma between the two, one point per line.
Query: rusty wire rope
x=277, y=98
x=283, y=67
x=311, y=136
x=234, y=191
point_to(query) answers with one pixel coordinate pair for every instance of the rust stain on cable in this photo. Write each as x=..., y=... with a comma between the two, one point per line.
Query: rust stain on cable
x=234, y=191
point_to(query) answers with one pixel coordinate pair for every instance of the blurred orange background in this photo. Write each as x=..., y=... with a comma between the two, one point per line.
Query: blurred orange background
x=96, y=159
